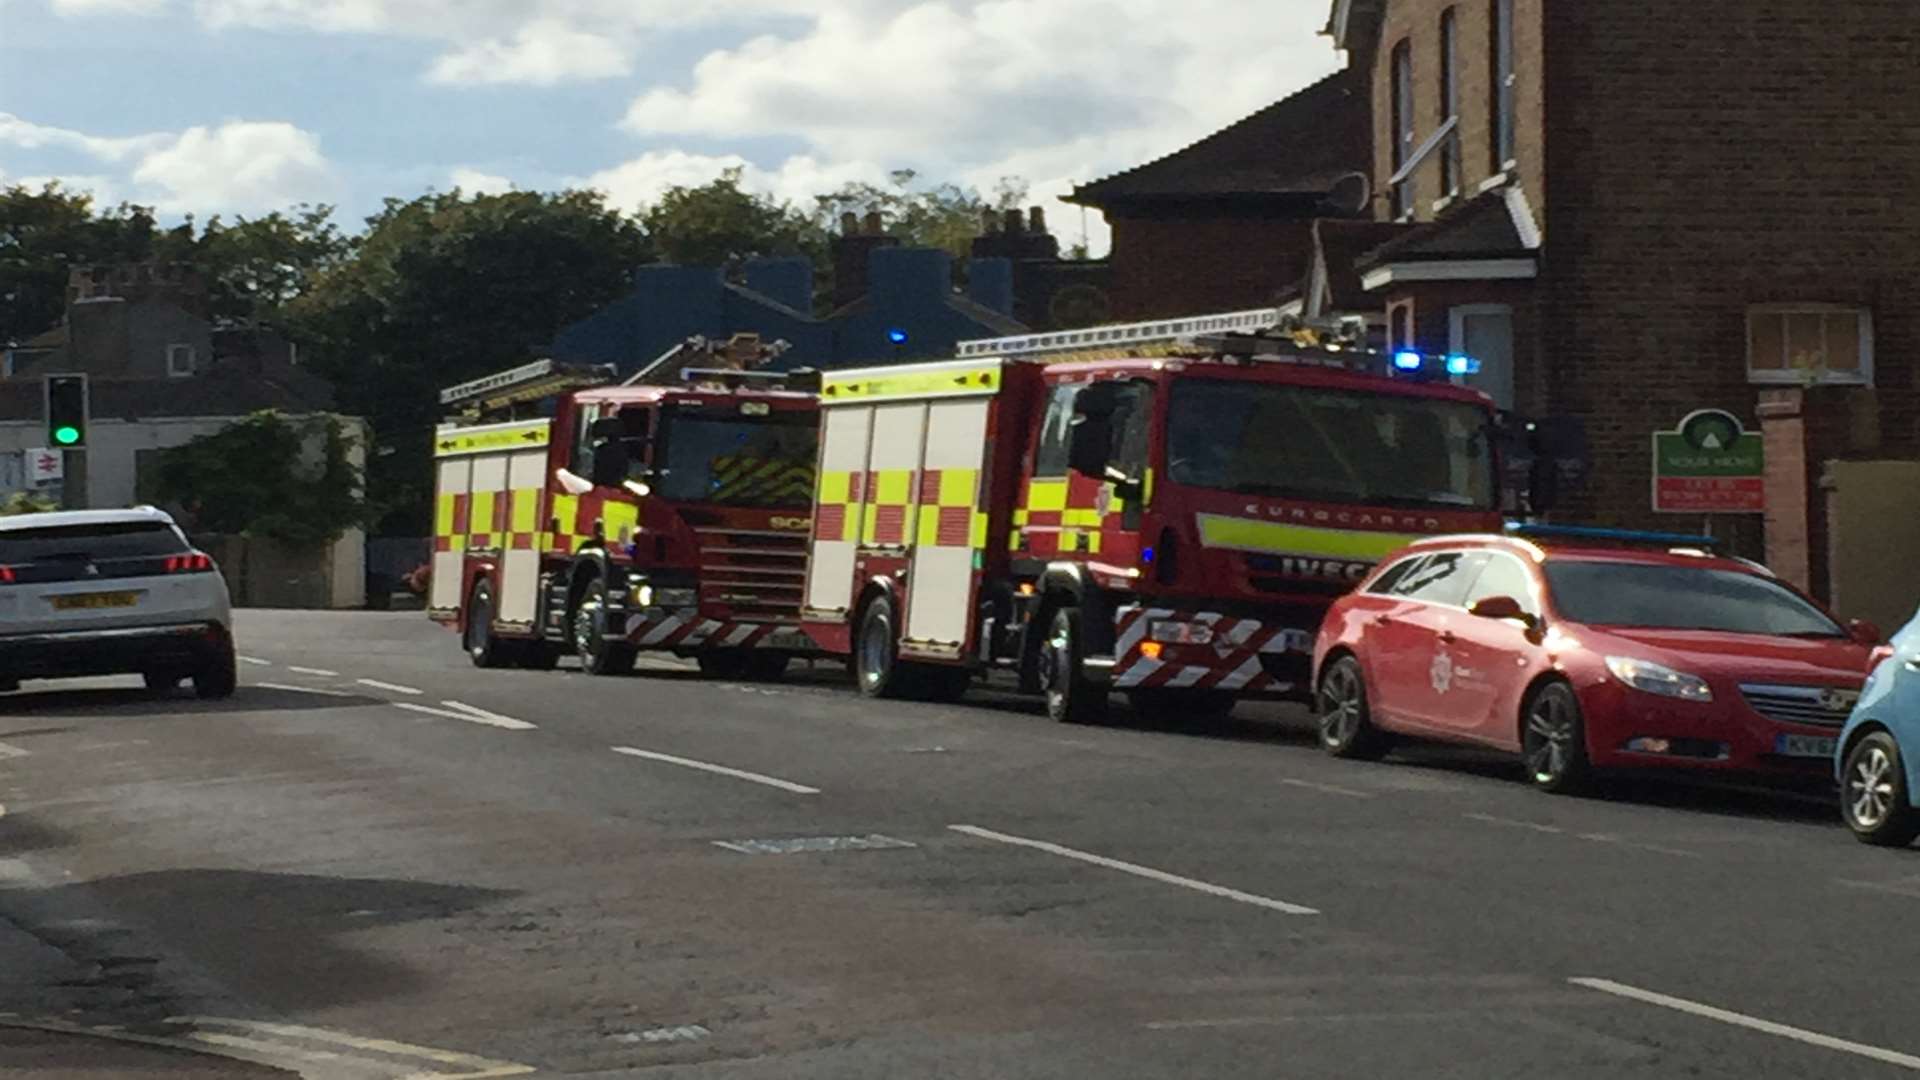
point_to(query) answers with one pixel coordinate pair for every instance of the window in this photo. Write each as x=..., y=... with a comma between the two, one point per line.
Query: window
x=1505, y=82
x=1450, y=103
x=1385, y=583
x=1057, y=433
x=1402, y=126
x=1132, y=426
x=1400, y=326
x=1504, y=576
x=1442, y=579
x=1810, y=344
x=710, y=457
x=1682, y=598
x=180, y=361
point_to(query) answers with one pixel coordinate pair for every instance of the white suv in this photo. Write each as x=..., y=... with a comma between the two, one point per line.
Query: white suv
x=111, y=592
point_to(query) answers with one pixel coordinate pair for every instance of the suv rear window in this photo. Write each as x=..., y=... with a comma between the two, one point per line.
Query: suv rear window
x=114, y=540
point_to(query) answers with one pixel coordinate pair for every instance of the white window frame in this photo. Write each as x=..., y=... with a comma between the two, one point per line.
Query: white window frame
x=1790, y=376
x=173, y=370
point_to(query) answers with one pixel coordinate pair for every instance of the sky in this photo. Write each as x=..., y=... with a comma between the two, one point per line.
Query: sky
x=240, y=107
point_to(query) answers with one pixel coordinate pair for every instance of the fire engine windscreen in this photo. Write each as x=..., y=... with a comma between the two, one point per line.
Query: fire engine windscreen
x=1330, y=445
x=732, y=460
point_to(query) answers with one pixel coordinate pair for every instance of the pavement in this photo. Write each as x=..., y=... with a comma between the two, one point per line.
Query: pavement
x=376, y=861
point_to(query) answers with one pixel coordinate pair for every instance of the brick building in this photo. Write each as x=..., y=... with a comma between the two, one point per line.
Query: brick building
x=1638, y=210
x=1227, y=223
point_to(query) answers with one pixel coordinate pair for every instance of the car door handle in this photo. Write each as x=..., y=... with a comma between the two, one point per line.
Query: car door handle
x=1446, y=637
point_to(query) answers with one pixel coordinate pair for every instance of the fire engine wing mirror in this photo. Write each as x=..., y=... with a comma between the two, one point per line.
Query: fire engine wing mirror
x=610, y=463
x=1092, y=442
x=571, y=483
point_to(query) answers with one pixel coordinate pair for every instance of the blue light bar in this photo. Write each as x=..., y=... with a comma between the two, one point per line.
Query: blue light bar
x=1408, y=361
x=1462, y=365
x=1612, y=536
x=898, y=337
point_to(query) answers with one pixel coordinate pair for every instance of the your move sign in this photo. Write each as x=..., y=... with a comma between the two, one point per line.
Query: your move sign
x=1709, y=465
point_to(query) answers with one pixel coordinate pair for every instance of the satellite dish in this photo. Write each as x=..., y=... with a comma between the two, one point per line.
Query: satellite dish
x=1351, y=194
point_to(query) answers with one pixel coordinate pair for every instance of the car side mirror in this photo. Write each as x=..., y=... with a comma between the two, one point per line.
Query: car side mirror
x=1864, y=632
x=1501, y=608
x=572, y=483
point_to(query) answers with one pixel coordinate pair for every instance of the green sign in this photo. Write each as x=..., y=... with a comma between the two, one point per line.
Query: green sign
x=1709, y=465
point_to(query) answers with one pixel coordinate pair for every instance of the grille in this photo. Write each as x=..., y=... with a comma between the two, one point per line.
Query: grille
x=1819, y=706
x=759, y=574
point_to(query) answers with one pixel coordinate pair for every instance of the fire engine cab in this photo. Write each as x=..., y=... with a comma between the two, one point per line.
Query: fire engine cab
x=1165, y=509
x=578, y=516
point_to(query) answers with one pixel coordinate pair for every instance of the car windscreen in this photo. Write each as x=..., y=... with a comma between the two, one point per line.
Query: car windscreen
x=95, y=543
x=1602, y=593
x=1330, y=445
x=764, y=461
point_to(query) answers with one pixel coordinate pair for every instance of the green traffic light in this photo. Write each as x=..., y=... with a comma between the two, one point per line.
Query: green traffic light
x=66, y=436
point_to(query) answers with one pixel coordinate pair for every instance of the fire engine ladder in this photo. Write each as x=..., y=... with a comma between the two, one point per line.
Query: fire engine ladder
x=505, y=395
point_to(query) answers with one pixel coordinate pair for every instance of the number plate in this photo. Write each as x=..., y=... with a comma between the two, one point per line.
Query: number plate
x=90, y=601
x=1813, y=746
x=789, y=639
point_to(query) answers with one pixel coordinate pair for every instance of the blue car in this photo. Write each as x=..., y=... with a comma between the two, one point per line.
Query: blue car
x=1878, y=758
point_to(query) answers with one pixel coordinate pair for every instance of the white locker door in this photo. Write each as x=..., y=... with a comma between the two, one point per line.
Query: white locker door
x=449, y=548
x=946, y=545
x=520, y=565
x=837, y=514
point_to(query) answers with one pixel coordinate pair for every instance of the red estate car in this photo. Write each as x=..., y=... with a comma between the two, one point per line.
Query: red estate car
x=1584, y=651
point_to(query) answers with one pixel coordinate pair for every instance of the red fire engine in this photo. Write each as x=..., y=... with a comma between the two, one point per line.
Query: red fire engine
x=577, y=516
x=1109, y=510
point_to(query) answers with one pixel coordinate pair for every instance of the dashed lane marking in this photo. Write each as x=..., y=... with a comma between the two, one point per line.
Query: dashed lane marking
x=1329, y=789
x=7, y=751
x=292, y=689
x=721, y=770
x=255, y=661
x=1139, y=871
x=1590, y=837
x=1509, y=823
x=1752, y=1023
x=321, y=672
x=490, y=720
x=393, y=688
x=484, y=717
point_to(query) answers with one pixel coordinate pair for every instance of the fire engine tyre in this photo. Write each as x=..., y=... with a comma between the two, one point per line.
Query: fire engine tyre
x=1072, y=698
x=1553, y=741
x=877, y=670
x=219, y=677
x=1179, y=707
x=598, y=655
x=1342, y=715
x=486, y=650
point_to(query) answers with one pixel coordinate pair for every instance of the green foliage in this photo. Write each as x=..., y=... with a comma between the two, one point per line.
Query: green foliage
x=719, y=224
x=268, y=475
x=448, y=287
x=42, y=233
x=941, y=215
x=27, y=502
x=256, y=267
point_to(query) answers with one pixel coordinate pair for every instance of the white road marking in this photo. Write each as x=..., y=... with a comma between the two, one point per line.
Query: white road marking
x=322, y=672
x=390, y=687
x=1894, y=888
x=1512, y=824
x=255, y=661
x=485, y=717
x=1608, y=838
x=722, y=770
x=508, y=723
x=1753, y=1023
x=1328, y=789
x=1138, y=871
x=1594, y=838
x=473, y=1067
x=290, y=688
x=11, y=752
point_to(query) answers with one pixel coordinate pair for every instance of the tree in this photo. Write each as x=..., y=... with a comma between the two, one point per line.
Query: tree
x=42, y=233
x=289, y=480
x=255, y=267
x=720, y=224
x=448, y=287
x=940, y=215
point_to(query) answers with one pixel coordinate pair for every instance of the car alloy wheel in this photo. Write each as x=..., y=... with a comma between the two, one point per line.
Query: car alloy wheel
x=1553, y=744
x=1870, y=788
x=1341, y=705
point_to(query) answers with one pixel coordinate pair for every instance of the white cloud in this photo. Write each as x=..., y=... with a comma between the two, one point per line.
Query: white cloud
x=542, y=53
x=797, y=180
x=109, y=7
x=475, y=182
x=30, y=136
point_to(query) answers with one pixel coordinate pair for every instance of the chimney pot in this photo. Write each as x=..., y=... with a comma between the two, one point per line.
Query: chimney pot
x=875, y=223
x=1015, y=224
x=1037, y=221
x=849, y=223
x=989, y=222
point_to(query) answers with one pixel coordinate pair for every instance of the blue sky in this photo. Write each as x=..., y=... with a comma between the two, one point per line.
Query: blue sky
x=243, y=106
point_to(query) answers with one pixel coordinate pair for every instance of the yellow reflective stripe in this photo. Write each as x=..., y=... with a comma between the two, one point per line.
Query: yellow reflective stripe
x=835, y=488
x=1082, y=518
x=443, y=516
x=457, y=543
x=1091, y=541
x=480, y=513
x=928, y=532
x=619, y=520
x=942, y=381
x=870, y=524
x=977, y=535
x=1274, y=538
x=1047, y=495
x=893, y=487
x=1146, y=489
x=1021, y=516
x=458, y=442
x=526, y=510
x=956, y=486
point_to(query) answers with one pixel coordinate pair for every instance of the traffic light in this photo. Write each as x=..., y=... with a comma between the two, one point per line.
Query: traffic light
x=66, y=411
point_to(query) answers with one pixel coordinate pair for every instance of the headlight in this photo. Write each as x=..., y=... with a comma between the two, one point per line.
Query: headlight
x=676, y=597
x=643, y=596
x=1659, y=679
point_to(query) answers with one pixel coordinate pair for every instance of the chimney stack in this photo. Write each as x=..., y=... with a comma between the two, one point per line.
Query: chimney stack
x=1016, y=224
x=1037, y=221
x=876, y=225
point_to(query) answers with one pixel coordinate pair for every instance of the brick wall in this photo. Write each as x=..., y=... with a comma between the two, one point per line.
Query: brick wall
x=1418, y=22
x=1168, y=266
x=1749, y=151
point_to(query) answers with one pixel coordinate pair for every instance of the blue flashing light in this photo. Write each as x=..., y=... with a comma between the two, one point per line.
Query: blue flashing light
x=898, y=337
x=1408, y=361
x=1147, y=556
x=1462, y=365
x=1613, y=536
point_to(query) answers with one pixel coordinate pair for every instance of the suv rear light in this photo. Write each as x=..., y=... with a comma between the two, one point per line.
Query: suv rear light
x=194, y=562
x=6, y=575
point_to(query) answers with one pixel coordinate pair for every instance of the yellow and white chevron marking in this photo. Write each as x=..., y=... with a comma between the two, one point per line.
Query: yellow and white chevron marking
x=309, y=1052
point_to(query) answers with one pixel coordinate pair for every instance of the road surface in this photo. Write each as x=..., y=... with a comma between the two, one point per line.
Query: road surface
x=376, y=861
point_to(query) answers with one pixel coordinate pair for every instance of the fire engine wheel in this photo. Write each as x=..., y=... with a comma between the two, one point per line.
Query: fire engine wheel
x=1072, y=698
x=486, y=650
x=876, y=653
x=598, y=654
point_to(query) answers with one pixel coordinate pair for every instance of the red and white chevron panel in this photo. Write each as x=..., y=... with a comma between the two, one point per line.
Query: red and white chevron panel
x=683, y=628
x=1230, y=662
